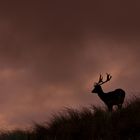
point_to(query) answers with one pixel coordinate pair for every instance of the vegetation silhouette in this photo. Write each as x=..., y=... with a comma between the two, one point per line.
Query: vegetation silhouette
x=86, y=124
x=112, y=98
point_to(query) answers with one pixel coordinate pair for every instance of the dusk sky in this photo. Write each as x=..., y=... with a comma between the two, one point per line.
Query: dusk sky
x=52, y=52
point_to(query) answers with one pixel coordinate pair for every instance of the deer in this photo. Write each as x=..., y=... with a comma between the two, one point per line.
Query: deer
x=112, y=98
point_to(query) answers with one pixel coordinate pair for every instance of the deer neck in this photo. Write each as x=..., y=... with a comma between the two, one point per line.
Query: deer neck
x=101, y=93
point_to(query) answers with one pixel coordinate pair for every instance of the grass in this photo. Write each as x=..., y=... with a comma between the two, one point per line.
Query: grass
x=86, y=124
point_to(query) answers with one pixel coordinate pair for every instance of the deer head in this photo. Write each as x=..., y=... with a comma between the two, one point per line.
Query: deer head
x=97, y=86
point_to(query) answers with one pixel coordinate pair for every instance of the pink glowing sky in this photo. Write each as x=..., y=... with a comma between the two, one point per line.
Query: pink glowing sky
x=52, y=52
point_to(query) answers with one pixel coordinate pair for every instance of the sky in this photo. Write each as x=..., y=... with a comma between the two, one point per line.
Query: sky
x=52, y=52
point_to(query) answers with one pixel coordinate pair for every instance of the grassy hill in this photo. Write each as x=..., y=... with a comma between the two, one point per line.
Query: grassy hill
x=86, y=124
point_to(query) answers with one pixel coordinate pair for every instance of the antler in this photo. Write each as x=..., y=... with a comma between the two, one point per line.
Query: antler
x=100, y=82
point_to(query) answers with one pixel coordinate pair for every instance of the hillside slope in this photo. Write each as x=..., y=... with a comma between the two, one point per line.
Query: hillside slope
x=86, y=124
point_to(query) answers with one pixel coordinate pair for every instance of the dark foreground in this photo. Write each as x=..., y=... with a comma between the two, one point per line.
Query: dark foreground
x=86, y=124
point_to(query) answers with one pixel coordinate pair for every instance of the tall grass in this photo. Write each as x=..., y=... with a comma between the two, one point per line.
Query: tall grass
x=86, y=124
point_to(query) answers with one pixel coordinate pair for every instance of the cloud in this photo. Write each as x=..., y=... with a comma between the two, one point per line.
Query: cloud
x=52, y=53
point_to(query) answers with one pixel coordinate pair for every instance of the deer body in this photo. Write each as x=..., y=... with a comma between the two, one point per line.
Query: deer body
x=112, y=98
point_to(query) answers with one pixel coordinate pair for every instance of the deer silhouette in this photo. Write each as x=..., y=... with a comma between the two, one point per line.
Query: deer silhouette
x=112, y=98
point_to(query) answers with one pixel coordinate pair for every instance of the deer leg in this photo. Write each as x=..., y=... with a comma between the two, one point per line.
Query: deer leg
x=120, y=106
x=109, y=108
